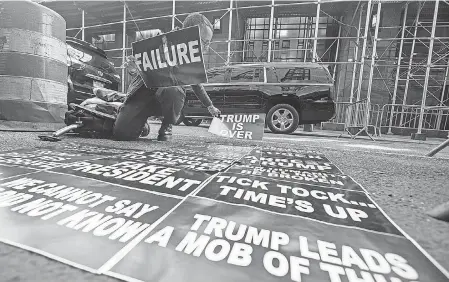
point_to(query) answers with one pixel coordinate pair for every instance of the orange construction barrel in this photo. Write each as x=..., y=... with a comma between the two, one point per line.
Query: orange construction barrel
x=33, y=63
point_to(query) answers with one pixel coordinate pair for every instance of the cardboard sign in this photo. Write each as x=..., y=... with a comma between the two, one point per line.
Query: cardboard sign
x=239, y=126
x=214, y=241
x=330, y=205
x=171, y=59
x=194, y=215
x=80, y=220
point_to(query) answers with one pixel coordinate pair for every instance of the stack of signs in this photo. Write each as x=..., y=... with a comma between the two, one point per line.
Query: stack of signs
x=239, y=126
x=261, y=214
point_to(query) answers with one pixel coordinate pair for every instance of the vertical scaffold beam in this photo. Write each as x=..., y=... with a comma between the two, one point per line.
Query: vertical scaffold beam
x=334, y=74
x=356, y=56
x=230, y=32
x=82, y=26
x=446, y=77
x=410, y=61
x=398, y=67
x=443, y=93
x=429, y=64
x=124, y=47
x=173, y=15
x=362, y=58
x=373, y=60
x=315, y=37
x=270, y=34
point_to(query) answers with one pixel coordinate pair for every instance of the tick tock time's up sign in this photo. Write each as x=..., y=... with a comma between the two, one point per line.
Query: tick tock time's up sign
x=171, y=59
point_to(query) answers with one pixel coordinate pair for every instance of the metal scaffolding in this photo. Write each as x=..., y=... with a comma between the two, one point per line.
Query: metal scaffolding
x=399, y=64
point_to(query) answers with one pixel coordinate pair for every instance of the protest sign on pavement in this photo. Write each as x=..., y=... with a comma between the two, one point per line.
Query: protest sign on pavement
x=262, y=214
x=239, y=126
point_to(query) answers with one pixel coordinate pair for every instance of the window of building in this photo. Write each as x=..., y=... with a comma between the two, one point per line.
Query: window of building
x=292, y=38
x=286, y=44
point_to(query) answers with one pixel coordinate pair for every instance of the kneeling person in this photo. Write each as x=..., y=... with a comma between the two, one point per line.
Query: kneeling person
x=142, y=102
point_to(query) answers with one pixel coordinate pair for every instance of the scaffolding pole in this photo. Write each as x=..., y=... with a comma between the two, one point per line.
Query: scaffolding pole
x=429, y=63
x=440, y=116
x=446, y=76
x=124, y=47
x=410, y=62
x=398, y=67
x=362, y=59
x=173, y=15
x=373, y=55
x=270, y=34
x=356, y=56
x=230, y=32
x=315, y=37
x=82, y=25
x=336, y=60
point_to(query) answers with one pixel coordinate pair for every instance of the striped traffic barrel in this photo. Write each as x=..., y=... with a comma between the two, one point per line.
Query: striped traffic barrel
x=33, y=63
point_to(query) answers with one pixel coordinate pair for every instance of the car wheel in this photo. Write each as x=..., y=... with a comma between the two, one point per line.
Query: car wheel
x=192, y=121
x=283, y=119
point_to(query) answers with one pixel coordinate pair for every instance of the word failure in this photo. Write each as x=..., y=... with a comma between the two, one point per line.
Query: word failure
x=180, y=54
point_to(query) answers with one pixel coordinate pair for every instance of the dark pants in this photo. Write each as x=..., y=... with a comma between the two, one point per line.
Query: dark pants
x=145, y=103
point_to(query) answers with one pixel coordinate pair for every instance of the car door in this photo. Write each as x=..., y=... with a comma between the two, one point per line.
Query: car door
x=242, y=94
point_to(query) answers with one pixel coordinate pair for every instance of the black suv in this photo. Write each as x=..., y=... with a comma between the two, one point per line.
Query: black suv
x=89, y=67
x=289, y=93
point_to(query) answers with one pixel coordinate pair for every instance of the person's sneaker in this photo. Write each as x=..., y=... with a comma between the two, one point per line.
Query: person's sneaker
x=165, y=133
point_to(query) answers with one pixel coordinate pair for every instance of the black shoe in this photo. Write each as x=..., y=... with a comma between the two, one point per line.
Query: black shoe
x=165, y=133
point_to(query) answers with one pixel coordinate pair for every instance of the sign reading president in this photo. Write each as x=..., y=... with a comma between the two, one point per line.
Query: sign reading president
x=171, y=59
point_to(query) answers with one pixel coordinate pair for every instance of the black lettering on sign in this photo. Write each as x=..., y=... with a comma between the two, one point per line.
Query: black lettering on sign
x=158, y=178
x=239, y=126
x=330, y=205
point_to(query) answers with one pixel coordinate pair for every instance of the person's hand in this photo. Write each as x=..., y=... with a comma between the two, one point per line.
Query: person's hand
x=214, y=111
x=130, y=64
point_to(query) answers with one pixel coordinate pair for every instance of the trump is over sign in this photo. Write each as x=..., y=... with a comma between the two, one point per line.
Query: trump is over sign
x=239, y=126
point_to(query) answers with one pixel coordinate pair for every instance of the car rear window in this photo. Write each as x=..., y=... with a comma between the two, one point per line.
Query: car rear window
x=90, y=57
x=297, y=74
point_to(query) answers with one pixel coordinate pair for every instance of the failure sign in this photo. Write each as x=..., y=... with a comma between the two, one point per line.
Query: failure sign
x=239, y=126
x=171, y=59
